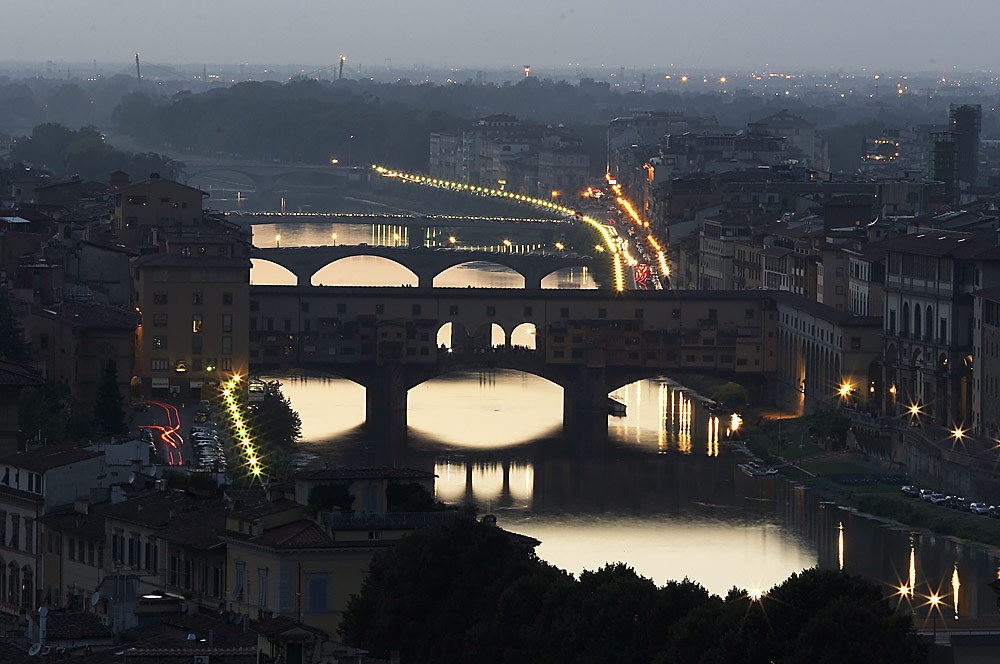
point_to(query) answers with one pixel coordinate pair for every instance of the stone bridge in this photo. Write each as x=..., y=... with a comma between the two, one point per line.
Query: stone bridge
x=588, y=342
x=425, y=263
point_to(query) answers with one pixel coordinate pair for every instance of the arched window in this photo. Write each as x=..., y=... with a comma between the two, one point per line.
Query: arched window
x=916, y=321
x=906, y=318
x=929, y=323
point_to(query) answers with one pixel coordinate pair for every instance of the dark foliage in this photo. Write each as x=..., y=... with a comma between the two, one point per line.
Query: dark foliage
x=410, y=497
x=275, y=422
x=13, y=346
x=328, y=497
x=467, y=592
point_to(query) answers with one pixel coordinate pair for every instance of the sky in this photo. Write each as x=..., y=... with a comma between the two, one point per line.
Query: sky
x=794, y=35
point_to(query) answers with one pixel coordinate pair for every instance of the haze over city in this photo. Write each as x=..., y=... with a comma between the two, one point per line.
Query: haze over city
x=813, y=35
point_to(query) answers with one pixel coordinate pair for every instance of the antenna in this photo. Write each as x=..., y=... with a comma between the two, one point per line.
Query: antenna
x=138, y=74
x=341, y=75
x=35, y=649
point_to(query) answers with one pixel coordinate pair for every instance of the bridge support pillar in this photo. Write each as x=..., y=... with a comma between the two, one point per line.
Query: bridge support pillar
x=385, y=403
x=588, y=393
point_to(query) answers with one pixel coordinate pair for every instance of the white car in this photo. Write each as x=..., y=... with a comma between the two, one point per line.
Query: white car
x=979, y=508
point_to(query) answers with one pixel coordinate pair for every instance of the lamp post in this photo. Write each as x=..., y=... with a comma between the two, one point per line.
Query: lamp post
x=935, y=600
x=277, y=240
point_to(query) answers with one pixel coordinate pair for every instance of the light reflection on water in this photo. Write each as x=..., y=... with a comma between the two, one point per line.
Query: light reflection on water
x=647, y=496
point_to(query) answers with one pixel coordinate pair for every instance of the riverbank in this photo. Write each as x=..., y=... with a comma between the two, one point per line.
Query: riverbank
x=854, y=479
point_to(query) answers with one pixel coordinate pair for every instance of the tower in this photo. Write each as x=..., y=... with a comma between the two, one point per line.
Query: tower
x=966, y=122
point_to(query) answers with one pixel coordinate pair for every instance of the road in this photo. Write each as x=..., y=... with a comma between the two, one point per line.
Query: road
x=166, y=421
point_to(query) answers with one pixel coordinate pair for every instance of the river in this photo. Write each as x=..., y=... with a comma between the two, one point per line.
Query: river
x=662, y=491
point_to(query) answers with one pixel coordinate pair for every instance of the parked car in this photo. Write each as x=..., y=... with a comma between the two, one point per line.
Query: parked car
x=200, y=417
x=938, y=499
x=911, y=490
x=995, y=511
x=925, y=494
x=956, y=502
x=979, y=508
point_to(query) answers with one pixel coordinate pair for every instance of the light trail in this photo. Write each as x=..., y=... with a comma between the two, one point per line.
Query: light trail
x=661, y=257
x=169, y=434
x=517, y=198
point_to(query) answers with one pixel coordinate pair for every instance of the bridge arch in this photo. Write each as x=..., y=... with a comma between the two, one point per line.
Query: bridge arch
x=251, y=179
x=450, y=277
x=453, y=335
x=524, y=336
x=265, y=272
x=389, y=272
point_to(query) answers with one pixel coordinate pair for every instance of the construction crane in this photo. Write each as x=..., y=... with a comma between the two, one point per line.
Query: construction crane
x=138, y=74
x=341, y=74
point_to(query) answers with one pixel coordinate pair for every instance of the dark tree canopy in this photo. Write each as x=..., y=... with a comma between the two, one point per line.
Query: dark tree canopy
x=275, y=422
x=13, y=346
x=469, y=592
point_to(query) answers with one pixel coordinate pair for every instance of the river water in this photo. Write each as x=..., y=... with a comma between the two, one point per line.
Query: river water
x=661, y=491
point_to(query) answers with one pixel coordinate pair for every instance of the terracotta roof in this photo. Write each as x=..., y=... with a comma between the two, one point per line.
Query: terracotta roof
x=265, y=508
x=932, y=242
x=88, y=527
x=991, y=294
x=182, y=518
x=194, y=261
x=12, y=373
x=48, y=457
x=75, y=626
x=297, y=534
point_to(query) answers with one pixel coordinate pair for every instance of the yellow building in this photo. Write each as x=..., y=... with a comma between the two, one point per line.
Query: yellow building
x=194, y=310
x=157, y=205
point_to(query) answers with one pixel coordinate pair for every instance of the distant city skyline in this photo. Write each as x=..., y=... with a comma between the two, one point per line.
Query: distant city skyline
x=891, y=35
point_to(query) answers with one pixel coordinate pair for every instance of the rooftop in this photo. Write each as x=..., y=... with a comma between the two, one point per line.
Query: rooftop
x=48, y=457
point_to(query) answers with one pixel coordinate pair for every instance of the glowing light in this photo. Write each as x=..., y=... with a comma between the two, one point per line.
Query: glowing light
x=845, y=389
x=840, y=545
x=955, y=585
x=755, y=594
x=915, y=409
x=958, y=433
x=735, y=422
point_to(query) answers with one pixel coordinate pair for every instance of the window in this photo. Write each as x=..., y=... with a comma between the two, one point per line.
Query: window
x=160, y=342
x=117, y=545
x=196, y=323
x=15, y=531
x=602, y=313
x=227, y=298
x=197, y=298
x=748, y=313
x=196, y=345
x=227, y=322
x=240, y=581
x=262, y=587
x=134, y=558
x=160, y=297
x=159, y=320
x=564, y=312
x=304, y=307
x=227, y=364
x=152, y=553
x=318, y=590
x=158, y=365
x=227, y=345
x=71, y=553
x=175, y=564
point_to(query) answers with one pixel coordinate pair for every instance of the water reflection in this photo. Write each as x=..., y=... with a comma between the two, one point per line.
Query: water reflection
x=641, y=496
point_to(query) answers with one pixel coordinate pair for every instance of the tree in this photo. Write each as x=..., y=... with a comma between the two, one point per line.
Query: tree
x=44, y=413
x=731, y=394
x=410, y=497
x=109, y=413
x=275, y=423
x=328, y=497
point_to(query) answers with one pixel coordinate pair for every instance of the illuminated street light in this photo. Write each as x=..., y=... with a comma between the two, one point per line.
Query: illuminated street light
x=334, y=237
x=845, y=389
x=560, y=246
x=599, y=247
x=277, y=240
x=452, y=239
x=915, y=409
x=755, y=594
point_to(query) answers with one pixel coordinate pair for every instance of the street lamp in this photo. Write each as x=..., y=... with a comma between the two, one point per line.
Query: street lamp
x=277, y=240
x=334, y=237
x=452, y=239
x=934, y=600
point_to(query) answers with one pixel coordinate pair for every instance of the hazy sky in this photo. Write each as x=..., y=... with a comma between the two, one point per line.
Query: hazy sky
x=907, y=35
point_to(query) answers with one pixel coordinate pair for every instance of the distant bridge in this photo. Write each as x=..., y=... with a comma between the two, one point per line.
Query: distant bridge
x=265, y=176
x=417, y=220
x=424, y=263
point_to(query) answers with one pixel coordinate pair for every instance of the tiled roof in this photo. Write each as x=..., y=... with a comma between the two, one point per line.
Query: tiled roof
x=182, y=518
x=12, y=373
x=297, y=534
x=991, y=294
x=88, y=527
x=931, y=242
x=75, y=626
x=48, y=457
x=194, y=261
x=265, y=508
